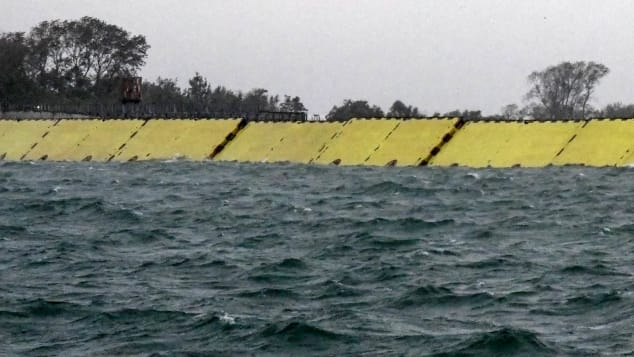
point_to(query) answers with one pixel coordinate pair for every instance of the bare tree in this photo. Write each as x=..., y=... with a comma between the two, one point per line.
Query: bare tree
x=564, y=90
x=511, y=112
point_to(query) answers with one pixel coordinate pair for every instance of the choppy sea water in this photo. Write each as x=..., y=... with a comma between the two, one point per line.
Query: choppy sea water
x=181, y=258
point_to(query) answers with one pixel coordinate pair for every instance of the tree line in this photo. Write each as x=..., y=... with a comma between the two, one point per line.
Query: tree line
x=562, y=91
x=565, y=91
x=83, y=61
x=68, y=61
x=201, y=96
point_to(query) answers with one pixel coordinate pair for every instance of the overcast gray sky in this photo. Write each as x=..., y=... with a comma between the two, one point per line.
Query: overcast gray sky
x=438, y=55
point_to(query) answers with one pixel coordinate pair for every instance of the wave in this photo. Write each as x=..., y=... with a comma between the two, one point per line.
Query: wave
x=49, y=308
x=268, y=293
x=598, y=269
x=11, y=230
x=405, y=225
x=145, y=258
x=393, y=187
x=286, y=264
x=505, y=261
x=80, y=208
x=502, y=342
x=132, y=236
x=303, y=334
x=386, y=242
x=334, y=289
x=432, y=296
x=594, y=300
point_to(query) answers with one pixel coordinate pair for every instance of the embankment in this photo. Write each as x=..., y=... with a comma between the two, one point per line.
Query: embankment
x=378, y=141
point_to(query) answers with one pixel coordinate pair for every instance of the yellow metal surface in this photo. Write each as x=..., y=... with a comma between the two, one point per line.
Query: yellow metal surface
x=105, y=139
x=536, y=144
x=357, y=141
x=412, y=141
x=506, y=144
x=62, y=140
x=5, y=126
x=303, y=142
x=256, y=142
x=205, y=135
x=475, y=145
x=600, y=143
x=20, y=137
x=182, y=138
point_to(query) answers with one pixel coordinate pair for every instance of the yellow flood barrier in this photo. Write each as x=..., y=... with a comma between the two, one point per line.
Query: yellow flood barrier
x=86, y=139
x=21, y=136
x=600, y=143
x=5, y=126
x=357, y=141
x=106, y=139
x=507, y=144
x=303, y=142
x=62, y=141
x=413, y=141
x=180, y=138
x=255, y=142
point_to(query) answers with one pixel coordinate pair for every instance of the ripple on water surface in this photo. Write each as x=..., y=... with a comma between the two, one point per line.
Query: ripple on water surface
x=226, y=258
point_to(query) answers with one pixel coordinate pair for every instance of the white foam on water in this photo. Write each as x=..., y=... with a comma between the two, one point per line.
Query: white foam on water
x=226, y=318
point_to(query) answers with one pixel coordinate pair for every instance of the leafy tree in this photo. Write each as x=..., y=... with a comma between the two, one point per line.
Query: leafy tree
x=293, y=104
x=274, y=102
x=83, y=58
x=199, y=91
x=201, y=97
x=399, y=109
x=618, y=110
x=257, y=100
x=225, y=100
x=564, y=90
x=467, y=114
x=15, y=85
x=82, y=61
x=163, y=91
x=354, y=109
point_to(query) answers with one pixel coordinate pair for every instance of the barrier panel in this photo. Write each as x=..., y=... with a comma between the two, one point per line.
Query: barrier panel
x=600, y=143
x=107, y=138
x=179, y=138
x=303, y=142
x=507, y=144
x=62, y=141
x=21, y=136
x=255, y=142
x=401, y=142
x=357, y=141
x=5, y=126
x=413, y=141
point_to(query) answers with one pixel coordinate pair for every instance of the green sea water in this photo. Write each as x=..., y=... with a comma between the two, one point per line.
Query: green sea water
x=181, y=258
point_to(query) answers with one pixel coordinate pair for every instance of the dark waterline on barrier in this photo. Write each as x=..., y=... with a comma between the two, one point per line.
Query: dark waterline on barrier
x=209, y=258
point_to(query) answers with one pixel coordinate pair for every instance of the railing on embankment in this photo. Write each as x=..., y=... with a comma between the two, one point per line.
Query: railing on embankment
x=140, y=111
x=381, y=141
